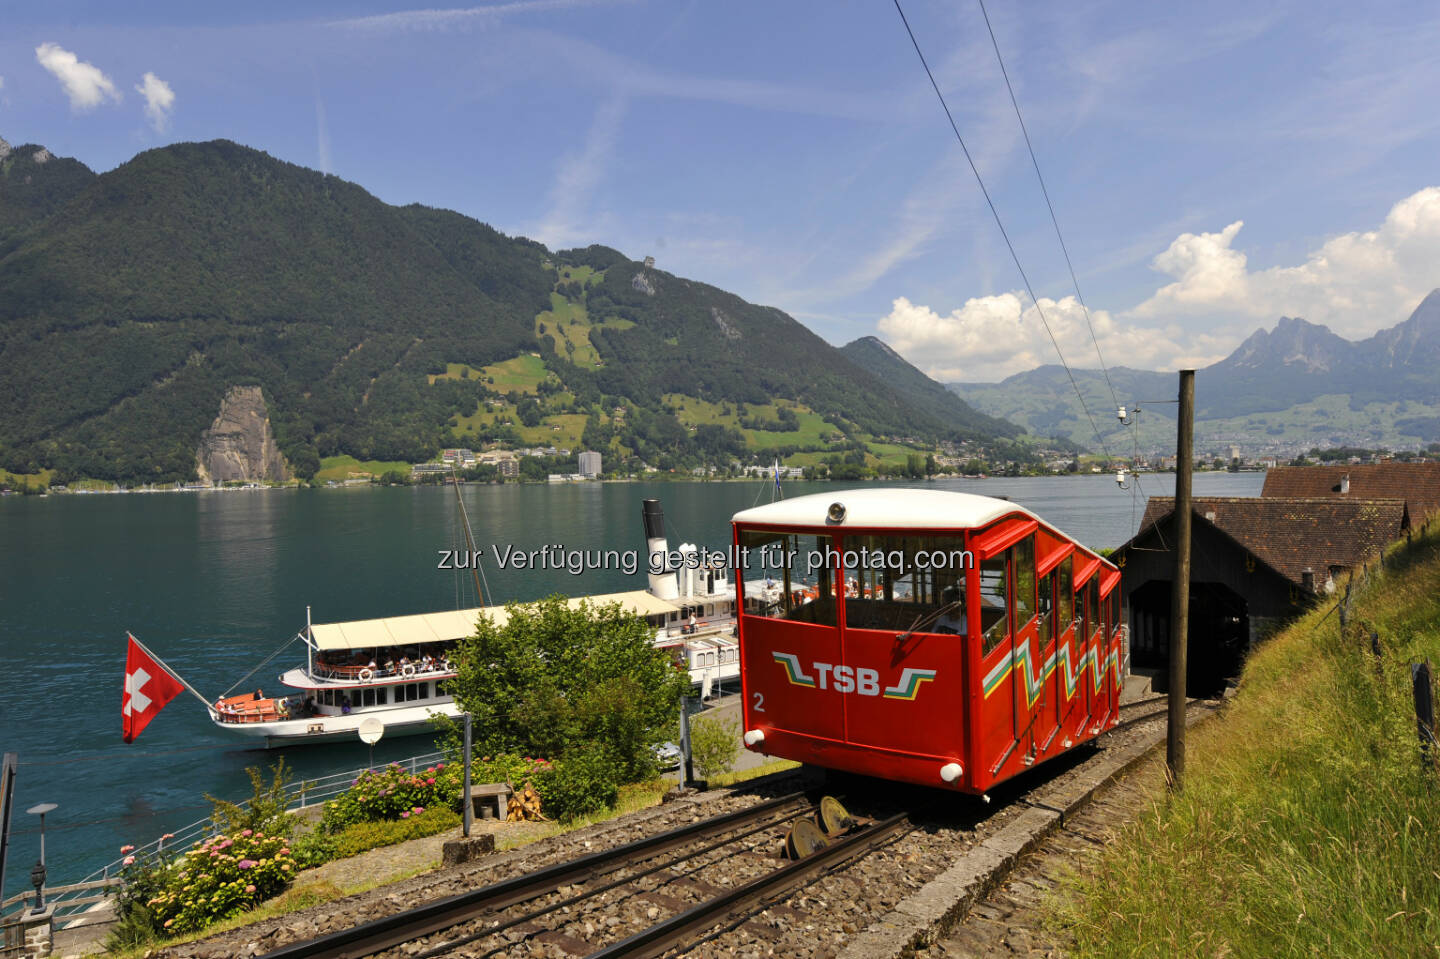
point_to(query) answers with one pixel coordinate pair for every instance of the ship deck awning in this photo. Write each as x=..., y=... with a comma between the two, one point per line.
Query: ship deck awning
x=454, y=625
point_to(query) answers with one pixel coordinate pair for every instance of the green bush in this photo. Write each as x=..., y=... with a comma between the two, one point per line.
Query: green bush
x=584, y=781
x=556, y=678
x=315, y=848
x=392, y=793
x=220, y=877
x=713, y=746
x=372, y=835
x=265, y=812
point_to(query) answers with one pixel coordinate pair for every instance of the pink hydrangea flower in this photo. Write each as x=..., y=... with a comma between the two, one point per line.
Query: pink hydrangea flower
x=126, y=848
x=405, y=815
x=129, y=861
x=250, y=890
x=247, y=863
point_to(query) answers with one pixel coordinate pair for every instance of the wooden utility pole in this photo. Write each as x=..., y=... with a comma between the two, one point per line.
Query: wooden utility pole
x=1180, y=588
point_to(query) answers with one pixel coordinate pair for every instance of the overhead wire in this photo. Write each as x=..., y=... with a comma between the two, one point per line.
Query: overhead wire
x=1065, y=250
x=1040, y=311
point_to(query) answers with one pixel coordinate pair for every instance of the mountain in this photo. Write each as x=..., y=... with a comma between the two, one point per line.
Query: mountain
x=872, y=354
x=132, y=302
x=1298, y=384
x=34, y=183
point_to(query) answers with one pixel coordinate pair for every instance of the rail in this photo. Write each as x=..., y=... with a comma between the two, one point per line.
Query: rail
x=389, y=931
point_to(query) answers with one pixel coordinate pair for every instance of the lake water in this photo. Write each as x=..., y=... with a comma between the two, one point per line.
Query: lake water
x=215, y=582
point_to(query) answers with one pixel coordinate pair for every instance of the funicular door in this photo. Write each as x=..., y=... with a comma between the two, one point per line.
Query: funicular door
x=1012, y=675
x=1049, y=643
x=790, y=634
x=905, y=627
x=1068, y=648
x=1090, y=650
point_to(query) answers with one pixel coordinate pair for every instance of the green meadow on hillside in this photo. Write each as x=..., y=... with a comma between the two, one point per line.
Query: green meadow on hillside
x=1308, y=824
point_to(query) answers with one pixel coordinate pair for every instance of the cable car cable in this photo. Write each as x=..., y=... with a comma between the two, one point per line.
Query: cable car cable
x=1006, y=236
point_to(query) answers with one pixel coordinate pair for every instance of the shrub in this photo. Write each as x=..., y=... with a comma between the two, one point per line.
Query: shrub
x=220, y=877
x=137, y=924
x=555, y=677
x=371, y=835
x=584, y=781
x=713, y=746
x=392, y=793
x=265, y=812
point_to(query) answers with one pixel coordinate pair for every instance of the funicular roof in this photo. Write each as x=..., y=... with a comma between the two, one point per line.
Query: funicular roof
x=887, y=509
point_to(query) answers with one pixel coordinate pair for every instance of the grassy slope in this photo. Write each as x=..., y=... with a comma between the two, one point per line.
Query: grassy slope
x=341, y=468
x=1307, y=825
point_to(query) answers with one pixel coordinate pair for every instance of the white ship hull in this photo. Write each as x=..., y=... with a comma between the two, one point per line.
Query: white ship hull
x=398, y=720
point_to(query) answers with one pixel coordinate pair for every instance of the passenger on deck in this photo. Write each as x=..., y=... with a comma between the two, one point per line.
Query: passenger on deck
x=345, y=705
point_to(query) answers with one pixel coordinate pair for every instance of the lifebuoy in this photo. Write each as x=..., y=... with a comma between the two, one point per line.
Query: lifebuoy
x=366, y=674
x=407, y=670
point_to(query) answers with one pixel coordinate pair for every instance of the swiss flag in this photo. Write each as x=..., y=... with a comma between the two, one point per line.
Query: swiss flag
x=148, y=687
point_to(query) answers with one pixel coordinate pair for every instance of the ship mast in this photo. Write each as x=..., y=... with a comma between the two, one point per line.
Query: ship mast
x=469, y=542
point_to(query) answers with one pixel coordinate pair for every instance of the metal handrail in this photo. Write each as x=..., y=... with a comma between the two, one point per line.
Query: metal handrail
x=311, y=792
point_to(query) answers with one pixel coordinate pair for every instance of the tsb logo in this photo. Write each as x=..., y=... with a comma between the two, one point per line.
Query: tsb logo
x=853, y=679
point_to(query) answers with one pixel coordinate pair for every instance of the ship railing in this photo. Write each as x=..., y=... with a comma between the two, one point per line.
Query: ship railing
x=71, y=899
x=353, y=673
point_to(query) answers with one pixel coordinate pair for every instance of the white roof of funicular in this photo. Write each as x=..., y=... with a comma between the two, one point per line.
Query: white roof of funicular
x=886, y=509
x=458, y=624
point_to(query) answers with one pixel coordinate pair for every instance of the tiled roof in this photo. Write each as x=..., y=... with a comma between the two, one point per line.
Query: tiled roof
x=1291, y=533
x=1416, y=483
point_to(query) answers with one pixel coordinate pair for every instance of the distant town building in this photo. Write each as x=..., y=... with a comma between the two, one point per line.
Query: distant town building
x=589, y=463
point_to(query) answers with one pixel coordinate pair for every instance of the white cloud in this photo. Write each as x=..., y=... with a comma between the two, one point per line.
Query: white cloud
x=461, y=16
x=159, y=100
x=992, y=337
x=1355, y=283
x=84, y=83
x=571, y=196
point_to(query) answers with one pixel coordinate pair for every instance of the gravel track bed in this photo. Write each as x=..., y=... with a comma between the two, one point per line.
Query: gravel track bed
x=816, y=921
x=819, y=920
x=396, y=897
x=1016, y=919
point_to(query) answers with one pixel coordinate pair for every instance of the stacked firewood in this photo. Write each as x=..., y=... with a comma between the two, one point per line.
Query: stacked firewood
x=525, y=806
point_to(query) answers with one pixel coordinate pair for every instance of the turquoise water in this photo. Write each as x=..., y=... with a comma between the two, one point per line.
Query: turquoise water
x=215, y=582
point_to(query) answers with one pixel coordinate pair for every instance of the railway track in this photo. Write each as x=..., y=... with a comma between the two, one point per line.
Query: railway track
x=477, y=922
x=570, y=907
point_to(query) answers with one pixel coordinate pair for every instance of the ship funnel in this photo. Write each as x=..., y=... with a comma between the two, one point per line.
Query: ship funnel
x=662, y=578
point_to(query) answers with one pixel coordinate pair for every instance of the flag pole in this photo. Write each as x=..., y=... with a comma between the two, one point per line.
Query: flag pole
x=166, y=666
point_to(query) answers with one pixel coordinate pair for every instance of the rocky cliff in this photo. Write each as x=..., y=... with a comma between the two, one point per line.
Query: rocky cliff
x=239, y=445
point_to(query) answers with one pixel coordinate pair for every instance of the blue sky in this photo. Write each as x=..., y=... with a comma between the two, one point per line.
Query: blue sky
x=1214, y=166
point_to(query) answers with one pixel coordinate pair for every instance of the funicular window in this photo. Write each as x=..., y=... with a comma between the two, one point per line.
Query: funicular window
x=1045, y=605
x=906, y=582
x=789, y=576
x=1089, y=596
x=1065, y=593
x=994, y=588
x=1023, y=556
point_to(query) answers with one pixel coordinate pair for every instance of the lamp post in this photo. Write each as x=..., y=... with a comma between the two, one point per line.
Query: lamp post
x=37, y=875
